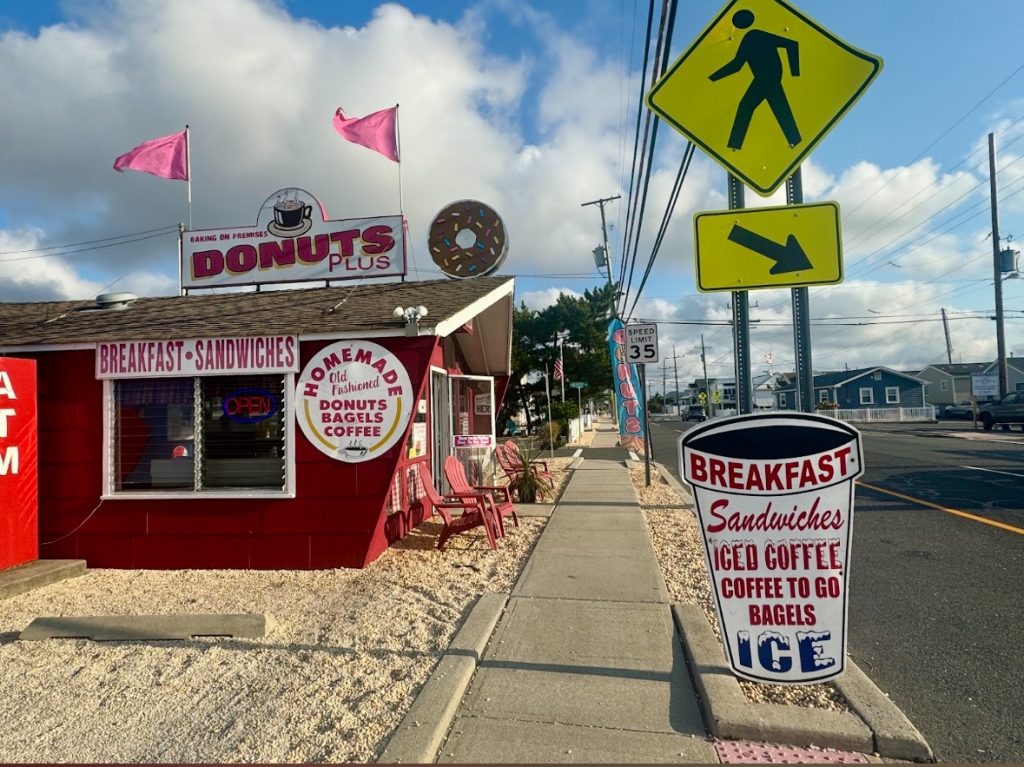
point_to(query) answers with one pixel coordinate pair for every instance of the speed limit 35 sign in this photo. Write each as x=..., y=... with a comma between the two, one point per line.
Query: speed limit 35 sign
x=642, y=343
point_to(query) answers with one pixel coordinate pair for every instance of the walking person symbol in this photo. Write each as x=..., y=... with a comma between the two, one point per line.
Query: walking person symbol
x=759, y=51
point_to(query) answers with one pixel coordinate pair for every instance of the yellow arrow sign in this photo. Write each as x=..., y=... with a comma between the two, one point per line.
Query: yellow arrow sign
x=787, y=246
x=760, y=87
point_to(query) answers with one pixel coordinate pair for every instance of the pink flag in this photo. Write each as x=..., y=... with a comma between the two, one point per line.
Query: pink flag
x=166, y=157
x=376, y=131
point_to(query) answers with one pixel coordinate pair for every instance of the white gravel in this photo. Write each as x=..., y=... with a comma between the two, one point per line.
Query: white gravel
x=330, y=684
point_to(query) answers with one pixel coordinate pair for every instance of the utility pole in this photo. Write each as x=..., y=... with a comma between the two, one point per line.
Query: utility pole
x=607, y=257
x=664, y=374
x=675, y=366
x=997, y=269
x=949, y=346
x=707, y=388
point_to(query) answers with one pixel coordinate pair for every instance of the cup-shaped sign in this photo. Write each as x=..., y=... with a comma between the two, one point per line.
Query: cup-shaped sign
x=774, y=496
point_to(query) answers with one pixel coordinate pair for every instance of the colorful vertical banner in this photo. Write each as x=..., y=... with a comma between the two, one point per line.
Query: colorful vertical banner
x=627, y=388
x=19, y=488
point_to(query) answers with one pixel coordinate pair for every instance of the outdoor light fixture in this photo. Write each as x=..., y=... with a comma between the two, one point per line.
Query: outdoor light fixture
x=412, y=316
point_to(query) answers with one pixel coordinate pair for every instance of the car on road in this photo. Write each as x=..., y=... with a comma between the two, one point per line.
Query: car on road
x=959, y=410
x=695, y=413
x=1008, y=410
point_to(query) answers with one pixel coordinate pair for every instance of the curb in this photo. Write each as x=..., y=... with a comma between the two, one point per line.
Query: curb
x=878, y=726
x=38, y=573
x=423, y=728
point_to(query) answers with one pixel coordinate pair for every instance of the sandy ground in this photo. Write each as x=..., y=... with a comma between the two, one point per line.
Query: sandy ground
x=330, y=684
x=676, y=536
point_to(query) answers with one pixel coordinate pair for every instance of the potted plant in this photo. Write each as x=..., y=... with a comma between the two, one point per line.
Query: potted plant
x=529, y=485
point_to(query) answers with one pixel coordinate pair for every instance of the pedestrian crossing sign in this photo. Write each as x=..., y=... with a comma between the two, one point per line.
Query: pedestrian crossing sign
x=760, y=87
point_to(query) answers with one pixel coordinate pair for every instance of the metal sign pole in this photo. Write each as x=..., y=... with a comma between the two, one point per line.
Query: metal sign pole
x=647, y=425
x=740, y=322
x=801, y=318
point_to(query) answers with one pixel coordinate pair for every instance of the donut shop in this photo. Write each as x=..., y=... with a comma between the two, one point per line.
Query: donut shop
x=266, y=428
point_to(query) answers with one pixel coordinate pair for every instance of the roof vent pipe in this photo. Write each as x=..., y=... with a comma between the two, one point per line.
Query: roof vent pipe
x=115, y=301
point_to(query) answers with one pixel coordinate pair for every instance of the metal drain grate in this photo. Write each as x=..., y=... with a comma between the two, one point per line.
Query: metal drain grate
x=749, y=752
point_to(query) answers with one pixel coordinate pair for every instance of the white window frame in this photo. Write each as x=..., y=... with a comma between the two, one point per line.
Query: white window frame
x=111, y=494
x=823, y=395
x=782, y=399
x=867, y=395
x=943, y=385
x=892, y=390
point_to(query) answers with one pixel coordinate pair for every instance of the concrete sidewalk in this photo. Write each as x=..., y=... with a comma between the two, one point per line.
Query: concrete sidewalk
x=584, y=665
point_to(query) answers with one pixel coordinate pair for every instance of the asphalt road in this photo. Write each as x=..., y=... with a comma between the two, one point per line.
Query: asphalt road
x=937, y=597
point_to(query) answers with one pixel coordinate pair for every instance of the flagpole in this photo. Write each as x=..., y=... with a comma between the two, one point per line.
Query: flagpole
x=398, y=143
x=188, y=172
x=547, y=392
x=401, y=202
x=561, y=359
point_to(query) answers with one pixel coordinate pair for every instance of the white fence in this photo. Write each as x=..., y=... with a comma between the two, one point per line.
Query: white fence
x=884, y=414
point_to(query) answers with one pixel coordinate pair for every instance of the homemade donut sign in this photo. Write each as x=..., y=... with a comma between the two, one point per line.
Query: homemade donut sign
x=467, y=239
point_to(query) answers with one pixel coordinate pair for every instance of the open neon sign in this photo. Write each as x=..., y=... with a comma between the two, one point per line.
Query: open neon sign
x=250, y=405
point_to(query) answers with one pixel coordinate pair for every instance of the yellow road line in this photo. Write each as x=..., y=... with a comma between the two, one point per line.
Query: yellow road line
x=957, y=512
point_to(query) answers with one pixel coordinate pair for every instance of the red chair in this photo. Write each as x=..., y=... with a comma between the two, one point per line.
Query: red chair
x=512, y=472
x=494, y=497
x=475, y=513
x=516, y=461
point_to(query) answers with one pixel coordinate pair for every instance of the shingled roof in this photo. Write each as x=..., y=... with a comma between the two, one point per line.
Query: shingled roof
x=337, y=310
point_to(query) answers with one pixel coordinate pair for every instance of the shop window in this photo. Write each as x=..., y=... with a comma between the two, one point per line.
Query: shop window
x=199, y=434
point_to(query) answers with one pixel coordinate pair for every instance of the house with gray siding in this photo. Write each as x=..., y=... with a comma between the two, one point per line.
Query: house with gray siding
x=876, y=387
x=950, y=384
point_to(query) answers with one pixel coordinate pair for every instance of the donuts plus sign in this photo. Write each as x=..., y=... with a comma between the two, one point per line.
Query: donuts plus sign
x=467, y=239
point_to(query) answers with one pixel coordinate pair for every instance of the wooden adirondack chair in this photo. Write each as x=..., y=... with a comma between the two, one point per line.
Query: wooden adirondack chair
x=507, y=463
x=516, y=461
x=475, y=513
x=496, y=498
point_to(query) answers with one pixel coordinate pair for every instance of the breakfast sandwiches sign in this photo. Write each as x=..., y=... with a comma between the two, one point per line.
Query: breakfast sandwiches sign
x=293, y=241
x=774, y=495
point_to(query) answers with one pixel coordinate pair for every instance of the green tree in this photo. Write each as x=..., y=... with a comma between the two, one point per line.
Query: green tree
x=534, y=349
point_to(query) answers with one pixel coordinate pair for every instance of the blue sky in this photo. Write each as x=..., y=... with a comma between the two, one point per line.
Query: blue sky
x=527, y=106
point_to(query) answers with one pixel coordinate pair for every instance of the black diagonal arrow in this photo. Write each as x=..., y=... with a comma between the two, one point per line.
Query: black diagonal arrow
x=788, y=258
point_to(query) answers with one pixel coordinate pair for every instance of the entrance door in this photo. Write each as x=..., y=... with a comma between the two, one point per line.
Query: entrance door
x=440, y=427
x=472, y=425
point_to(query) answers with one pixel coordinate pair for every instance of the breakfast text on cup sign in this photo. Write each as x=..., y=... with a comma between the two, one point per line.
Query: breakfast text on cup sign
x=9, y=454
x=243, y=258
x=768, y=476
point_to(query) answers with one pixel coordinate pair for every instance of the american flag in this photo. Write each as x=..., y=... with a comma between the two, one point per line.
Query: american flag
x=558, y=369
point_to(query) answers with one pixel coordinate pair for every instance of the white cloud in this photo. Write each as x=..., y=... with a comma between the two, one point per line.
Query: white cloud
x=542, y=299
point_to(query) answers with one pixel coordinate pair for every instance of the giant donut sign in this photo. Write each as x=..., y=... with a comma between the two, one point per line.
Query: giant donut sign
x=353, y=401
x=774, y=496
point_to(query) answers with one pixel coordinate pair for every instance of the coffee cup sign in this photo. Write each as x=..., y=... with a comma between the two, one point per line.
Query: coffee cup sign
x=353, y=400
x=774, y=496
x=290, y=215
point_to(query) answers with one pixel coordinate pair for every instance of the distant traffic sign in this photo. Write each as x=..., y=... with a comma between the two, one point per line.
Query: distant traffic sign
x=579, y=384
x=760, y=87
x=787, y=246
x=642, y=343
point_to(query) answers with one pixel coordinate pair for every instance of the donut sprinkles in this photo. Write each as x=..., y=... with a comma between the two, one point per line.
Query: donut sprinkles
x=487, y=250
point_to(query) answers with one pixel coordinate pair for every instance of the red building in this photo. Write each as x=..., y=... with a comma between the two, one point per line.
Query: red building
x=265, y=430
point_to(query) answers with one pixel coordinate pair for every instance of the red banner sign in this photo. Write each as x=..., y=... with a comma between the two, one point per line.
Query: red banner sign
x=19, y=492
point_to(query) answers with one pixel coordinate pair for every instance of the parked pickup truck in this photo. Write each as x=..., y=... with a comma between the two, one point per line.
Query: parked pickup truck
x=1008, y=410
